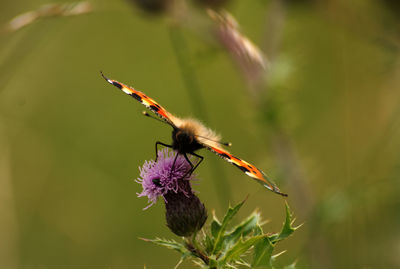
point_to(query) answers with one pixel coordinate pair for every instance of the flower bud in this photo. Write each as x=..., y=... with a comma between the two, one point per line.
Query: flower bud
x=185, y=213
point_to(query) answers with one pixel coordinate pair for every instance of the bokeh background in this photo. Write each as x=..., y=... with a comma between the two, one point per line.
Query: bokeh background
x=322, y=119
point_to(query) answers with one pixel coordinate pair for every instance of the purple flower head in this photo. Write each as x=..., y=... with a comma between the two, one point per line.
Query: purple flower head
x=168, y=177
x=159, y=178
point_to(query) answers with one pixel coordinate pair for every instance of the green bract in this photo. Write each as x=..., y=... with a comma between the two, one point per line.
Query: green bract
x=225, y=246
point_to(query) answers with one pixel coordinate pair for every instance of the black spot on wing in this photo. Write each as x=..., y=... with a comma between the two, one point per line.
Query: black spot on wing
x=156, y=108
x=251, y=168
x=136, y=96
x=244, y=169
x=226, y=156
x=116, y=84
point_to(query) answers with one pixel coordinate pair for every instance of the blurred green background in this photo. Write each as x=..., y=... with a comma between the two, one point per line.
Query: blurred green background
x=324, y=123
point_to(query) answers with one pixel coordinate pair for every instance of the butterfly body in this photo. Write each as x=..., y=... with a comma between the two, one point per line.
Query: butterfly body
x=184, y=141
x=190, y=135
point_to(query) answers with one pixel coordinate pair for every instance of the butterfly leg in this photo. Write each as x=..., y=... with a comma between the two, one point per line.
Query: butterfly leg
x=162, y=144
x=173, y=166
x=191, y=165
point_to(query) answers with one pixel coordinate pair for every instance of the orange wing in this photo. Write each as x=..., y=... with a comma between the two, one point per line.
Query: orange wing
x=144, y=99
x=247, y=168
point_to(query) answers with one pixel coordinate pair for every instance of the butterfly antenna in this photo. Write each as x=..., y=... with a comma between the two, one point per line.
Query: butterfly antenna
x=145, y=113
x=228, y=144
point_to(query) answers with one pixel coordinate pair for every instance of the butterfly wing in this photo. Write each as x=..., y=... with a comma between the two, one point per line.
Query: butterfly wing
x=144, y=99
x=247, y=168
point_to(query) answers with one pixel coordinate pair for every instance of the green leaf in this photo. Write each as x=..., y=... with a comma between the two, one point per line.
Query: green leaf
x=219, y=238
x=243, y=263
x=215, y=227
x=208, y=243
x=212, y=263
x=171, y=244
x=258, y=230
x=242, y=230
x=240, y=248
x=263, y=250
x=287, y=228
x=262, y=253
x=231, y=248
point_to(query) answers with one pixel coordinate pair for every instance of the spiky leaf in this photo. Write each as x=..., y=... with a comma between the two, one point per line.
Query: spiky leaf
x=242, y=230
x=239, y=248
x=287, y=228
x=219, y=238
x=215, y=227
x=262, y=253
x=208, y=243
x=171, y=244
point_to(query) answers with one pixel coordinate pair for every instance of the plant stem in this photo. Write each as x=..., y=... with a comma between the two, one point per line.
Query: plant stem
x=191, y=82
x=187, y=70
x=198, y=253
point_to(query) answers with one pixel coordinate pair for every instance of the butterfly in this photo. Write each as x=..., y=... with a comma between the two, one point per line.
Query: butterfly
x=190, y=135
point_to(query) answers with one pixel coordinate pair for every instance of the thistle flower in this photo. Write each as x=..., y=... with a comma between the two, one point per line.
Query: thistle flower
x=168, y=177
